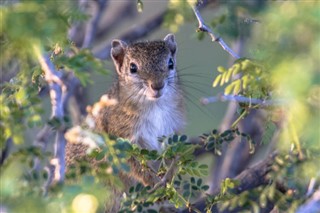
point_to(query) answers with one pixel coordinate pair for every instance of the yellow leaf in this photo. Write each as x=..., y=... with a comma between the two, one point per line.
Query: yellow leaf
x=228, y=75
x=245, y=80
x=216, y=81
x=222, y=78
x=228, y=89
x=236, y=69
x=221, y=69
x=237, y=87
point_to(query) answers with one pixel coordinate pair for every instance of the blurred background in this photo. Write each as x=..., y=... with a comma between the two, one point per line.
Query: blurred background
x=282, y=35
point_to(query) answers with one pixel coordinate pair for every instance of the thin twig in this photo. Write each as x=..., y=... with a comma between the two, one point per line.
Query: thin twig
x=167, y=175
x=204, y=28
x=240, y=99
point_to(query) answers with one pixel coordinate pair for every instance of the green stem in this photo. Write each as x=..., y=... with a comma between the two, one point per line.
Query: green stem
x=239, y=118
x=187, y=202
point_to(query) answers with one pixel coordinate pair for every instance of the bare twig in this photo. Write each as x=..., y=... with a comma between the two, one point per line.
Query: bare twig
x=204, y=28
x=58, y=94
x=240, y=99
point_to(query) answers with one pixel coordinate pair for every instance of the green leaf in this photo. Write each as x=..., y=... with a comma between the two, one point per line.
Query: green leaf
x=203, y=166
x=100, y=156
x=205, y=187
x=131, y=189
x=192, y=179
x=175, y=138
x=194, y=187
x=186, y=194
x=183, y=138
x=144, y=151
x=210, y=146
x=199, y=182
x=186, y=186
x=138, y=187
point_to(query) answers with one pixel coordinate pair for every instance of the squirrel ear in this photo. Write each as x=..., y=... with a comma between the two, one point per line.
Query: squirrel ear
x=171, y=42
x=118, y=52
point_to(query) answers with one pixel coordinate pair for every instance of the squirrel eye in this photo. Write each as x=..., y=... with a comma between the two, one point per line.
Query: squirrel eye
x=133, y=68
x=170, y=64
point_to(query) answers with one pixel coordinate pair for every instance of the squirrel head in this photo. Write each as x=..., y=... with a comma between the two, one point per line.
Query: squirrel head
x=146, y=68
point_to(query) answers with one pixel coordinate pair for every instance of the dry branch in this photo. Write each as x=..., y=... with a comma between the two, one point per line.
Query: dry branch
x=204, y=28
x=312, y=204
x=240, y=99
x=248, y=179
x=58, y=96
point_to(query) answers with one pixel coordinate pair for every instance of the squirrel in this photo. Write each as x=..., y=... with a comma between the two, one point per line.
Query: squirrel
x=145, y=101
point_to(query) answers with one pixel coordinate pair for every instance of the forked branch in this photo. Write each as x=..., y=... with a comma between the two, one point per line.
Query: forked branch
x=204, y=28
x=58, y=96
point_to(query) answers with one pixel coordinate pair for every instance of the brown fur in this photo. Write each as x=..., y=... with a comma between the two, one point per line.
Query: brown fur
x=134, y=113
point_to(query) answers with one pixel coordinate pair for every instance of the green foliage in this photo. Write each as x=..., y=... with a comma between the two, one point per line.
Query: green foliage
x=285, y=66
x=81, y=61
x=214, y=140
x=237, y=18
x=246, y=77
x=16, y=103
x=20, y=105
x=178, y=12
x=287, y=70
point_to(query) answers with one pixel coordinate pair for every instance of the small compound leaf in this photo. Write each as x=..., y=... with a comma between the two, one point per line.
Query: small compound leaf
x=216, y=81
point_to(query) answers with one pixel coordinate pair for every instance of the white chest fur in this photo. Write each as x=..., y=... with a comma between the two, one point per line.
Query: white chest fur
x=161, y=118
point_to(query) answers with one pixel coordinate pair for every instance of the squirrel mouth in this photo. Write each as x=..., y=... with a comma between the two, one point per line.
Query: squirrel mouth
x=155, y=94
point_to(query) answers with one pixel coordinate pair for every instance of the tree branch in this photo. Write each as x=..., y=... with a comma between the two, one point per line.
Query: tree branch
x=58, y=94
x=168, y=175
x=240, y=99
x=248, y=179
x=312, y=204
x=91, y=27
x=204, y=28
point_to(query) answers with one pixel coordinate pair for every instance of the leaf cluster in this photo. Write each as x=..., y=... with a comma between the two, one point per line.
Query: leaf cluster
x=215, y=139
x=245, y=77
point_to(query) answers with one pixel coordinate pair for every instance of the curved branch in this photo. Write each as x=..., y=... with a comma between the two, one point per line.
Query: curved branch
x=240, y=99
x=204, y=28
x=248, y=179
x=58, y=96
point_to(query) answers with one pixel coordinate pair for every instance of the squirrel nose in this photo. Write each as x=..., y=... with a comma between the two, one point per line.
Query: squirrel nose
x=157, y=86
